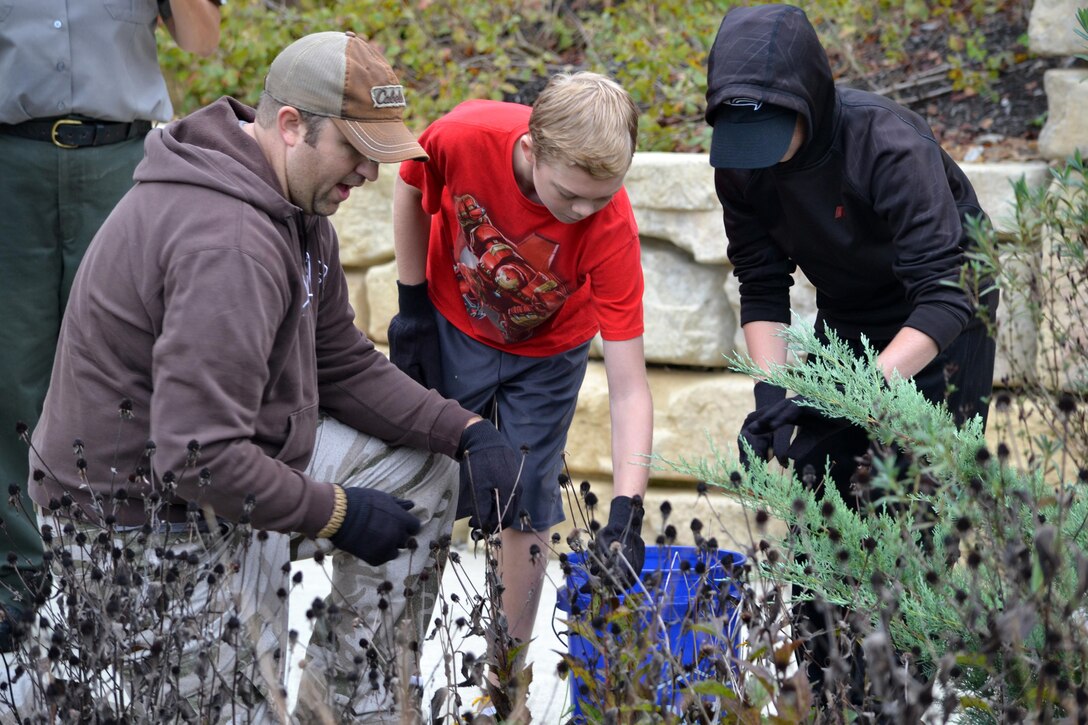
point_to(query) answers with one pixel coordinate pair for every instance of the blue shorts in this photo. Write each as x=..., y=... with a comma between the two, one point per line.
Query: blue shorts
x=530, y=399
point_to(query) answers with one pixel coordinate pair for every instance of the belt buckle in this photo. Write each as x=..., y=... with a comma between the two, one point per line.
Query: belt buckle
x=63, y=122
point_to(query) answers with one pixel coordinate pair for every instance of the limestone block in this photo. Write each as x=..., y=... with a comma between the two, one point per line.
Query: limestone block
x=381, y=300
x=698, y=232
x=1017, y=318
x=681, y=182
x=1063, y=335
x=589, y=448
x=364, y=222
x=673, y=199
x=696, y=414
x=691, y=409
x=1022, y=422
x=993, y=185
x=1052, y=28
x=357, y=295
x=688, y=319
x=1066, y=128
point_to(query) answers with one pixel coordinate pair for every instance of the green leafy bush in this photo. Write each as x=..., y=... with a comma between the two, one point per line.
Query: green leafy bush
x=446, y=52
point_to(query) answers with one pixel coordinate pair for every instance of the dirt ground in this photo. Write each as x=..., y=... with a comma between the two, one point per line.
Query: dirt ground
x=1001, y=124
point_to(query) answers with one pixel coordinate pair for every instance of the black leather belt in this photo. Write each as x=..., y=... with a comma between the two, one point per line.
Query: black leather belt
x=74, y=133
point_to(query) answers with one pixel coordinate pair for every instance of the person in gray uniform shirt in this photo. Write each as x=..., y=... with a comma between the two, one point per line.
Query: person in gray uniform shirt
x=81, y=88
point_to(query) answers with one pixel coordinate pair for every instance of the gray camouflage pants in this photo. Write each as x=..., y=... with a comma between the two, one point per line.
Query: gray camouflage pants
x=382, y=612
x=220, y=610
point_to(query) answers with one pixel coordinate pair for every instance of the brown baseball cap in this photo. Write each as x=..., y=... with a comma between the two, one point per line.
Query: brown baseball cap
x=339, y=75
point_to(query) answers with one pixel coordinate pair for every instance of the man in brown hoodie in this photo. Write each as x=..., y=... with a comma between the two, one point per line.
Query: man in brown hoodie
x=208, y=326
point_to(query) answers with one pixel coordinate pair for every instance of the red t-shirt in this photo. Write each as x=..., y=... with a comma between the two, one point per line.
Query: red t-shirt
x=500, y=267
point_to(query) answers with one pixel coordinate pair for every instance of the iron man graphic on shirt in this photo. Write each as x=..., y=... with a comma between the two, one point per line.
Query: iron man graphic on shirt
x=509, y=283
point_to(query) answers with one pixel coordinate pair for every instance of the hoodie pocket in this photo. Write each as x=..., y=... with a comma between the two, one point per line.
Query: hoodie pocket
x=301, y=434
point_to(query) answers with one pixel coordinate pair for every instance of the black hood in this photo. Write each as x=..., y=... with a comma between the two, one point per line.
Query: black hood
x=771, y=53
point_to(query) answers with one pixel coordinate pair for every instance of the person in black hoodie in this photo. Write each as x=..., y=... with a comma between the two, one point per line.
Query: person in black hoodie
x=852, y=189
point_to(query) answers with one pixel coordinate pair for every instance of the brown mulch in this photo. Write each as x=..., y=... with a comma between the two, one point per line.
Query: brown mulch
x=998, y=123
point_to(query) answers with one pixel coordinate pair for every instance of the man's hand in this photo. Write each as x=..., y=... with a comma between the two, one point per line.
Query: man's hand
x=489, y=471
x=619, y=545
x=376, y=525
x=413, y=336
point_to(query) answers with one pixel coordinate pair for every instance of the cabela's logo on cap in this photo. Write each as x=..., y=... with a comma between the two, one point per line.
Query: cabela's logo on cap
x=745, y=103
x=388, y=97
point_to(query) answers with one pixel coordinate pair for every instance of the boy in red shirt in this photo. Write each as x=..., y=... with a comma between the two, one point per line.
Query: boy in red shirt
x=515, y=244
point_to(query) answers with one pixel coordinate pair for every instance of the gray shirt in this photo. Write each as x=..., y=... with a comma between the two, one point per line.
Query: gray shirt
x=94, y=58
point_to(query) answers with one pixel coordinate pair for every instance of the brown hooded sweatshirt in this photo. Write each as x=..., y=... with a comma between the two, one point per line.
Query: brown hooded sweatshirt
x=218, y=311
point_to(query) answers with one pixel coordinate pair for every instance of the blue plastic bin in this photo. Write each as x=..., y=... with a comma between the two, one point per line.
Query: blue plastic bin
x=671, y=580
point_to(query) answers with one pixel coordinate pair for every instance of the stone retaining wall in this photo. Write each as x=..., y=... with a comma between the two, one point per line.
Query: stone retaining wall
x=691, y=295
x=690, y=301
x=1052, y=31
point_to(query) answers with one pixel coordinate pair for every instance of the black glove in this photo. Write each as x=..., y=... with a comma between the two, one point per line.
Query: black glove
x=622, y=539
x=489, y=469
x=773, y=426
x=413, y=336
x=762, y=443
x=376, y=525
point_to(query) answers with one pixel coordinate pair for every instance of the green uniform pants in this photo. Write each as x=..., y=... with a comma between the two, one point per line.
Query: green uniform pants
x=52, y=201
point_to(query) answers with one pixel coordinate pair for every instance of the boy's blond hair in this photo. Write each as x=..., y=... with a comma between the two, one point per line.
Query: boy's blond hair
x=585, y=120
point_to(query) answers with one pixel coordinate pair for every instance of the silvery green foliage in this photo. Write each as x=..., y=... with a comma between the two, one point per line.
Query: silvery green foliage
x=973, y=568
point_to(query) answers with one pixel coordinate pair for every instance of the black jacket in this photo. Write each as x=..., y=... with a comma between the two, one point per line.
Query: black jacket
x=871, y=209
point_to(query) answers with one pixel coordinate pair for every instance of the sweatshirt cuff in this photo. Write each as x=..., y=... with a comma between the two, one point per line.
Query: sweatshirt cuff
x=321, y=511
x=448, y=428
x=941, y=324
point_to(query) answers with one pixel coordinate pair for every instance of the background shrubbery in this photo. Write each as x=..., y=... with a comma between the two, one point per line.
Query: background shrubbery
x=446, y=52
